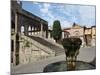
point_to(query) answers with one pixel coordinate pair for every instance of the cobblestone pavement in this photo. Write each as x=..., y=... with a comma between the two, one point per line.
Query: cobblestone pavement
x=86, y=54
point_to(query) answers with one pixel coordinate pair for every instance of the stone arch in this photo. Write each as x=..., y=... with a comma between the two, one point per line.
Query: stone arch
x=29, y=29
x=32, y=30
x=76, y=33
x=22, y=29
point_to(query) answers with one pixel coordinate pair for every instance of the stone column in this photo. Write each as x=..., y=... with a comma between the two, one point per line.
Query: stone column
x=16, y=22
x=16, y=40
x=45, y=33
x=36, y=31
x=26, y=30
x=41, y=30
x=49, y=35
x=31, y=31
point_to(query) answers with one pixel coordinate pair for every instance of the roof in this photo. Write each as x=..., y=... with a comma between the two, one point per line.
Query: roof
x=21, y=11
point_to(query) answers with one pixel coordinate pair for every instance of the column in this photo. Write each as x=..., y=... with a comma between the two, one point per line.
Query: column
x=26, y=30
x=31, y=31
x=36, y=31
x=45, y=34
x=41, y=30
x=16, y=40
x=16, y=23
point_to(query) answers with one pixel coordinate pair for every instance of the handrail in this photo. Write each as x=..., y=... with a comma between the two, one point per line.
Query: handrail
x=37, y=44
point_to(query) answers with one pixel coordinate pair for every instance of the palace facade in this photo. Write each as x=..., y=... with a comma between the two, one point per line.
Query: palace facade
x=87, y=35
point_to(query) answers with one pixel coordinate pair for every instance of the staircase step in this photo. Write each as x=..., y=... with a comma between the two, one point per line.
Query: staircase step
x=57, y=49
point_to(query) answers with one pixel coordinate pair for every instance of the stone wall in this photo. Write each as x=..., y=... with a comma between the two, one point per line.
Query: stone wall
x=30, y=52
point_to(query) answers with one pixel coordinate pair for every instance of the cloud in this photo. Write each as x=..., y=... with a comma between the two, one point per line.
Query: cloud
x=45, y=8
x=65, y=24
x=67, y=14
x=84, y=15
x=50, y=15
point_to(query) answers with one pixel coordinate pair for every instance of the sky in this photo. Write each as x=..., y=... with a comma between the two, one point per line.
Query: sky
x=67, y=14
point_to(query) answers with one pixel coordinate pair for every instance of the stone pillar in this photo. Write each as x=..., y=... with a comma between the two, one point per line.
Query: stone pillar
x=26, y=30
x=36, y=31
x=16, y=23
x=45, y=34
x=41, y=30
x=49, y=35
x=16, y=41
x=31, y=31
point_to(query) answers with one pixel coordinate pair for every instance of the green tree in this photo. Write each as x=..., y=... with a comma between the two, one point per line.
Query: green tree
x=56, y=32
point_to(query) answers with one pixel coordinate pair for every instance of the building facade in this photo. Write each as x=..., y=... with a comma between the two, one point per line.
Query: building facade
x=24, y=25
x=87, y=35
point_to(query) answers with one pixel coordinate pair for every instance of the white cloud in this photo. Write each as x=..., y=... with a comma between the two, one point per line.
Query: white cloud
x=83, y=15
x=45, y=8
x=65, y=24
x=46, y=5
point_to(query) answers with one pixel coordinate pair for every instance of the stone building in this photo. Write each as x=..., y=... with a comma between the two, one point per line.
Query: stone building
x=75, y=31
x=90, y=36
x=87, y=35
x=24, y=48
x=29, y=37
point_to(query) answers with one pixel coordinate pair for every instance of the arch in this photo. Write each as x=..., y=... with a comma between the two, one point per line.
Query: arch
x=77, y=33
x=29, y=29
x=32, y=30
x=22, y=29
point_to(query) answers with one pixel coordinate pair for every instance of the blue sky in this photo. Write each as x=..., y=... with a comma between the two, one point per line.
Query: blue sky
x=65, y=13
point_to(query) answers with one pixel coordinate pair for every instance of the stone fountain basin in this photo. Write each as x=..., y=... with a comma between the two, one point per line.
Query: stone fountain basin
x=61, y=66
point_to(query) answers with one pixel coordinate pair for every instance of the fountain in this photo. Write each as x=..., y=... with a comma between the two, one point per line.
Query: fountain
x=71, y=47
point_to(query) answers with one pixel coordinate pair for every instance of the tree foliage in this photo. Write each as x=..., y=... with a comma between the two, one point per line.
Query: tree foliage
x=57, y=32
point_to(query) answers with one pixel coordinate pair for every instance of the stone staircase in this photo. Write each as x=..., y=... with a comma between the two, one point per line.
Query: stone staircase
x=38, y=45
x=58, y=50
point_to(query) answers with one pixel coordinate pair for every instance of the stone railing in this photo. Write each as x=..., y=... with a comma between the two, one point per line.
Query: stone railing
x=37, y=44
x=50, y=40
